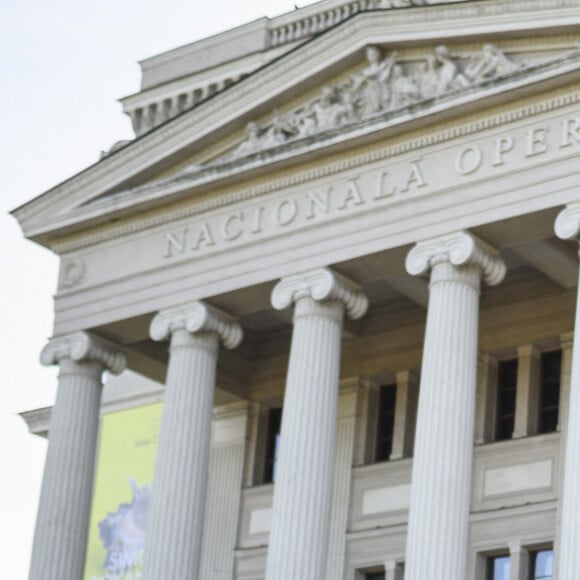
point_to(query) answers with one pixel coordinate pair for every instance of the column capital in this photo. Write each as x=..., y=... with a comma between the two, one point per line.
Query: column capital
x=322, y=284
x=567, y=224
x=459, y=249
x=194, y=318
x=82, y=346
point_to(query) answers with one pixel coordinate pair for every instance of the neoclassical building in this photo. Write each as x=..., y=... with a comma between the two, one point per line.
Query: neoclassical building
x=339, y=261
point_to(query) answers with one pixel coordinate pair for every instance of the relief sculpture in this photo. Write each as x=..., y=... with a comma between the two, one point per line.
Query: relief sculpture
x=385, y=84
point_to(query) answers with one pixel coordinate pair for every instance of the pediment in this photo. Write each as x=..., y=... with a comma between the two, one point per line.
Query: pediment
x=353, y=85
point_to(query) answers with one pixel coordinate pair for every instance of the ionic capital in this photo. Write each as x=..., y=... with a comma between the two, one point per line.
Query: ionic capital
x=567, y=224
x=459, y=249
x=194, y=318
x=82, y=346
x=320, y=285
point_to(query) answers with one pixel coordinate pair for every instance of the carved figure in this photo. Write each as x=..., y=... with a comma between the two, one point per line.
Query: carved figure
x=405, y=89
x=449, y=76
x=429, y=78
x=373, y=82
x=383, y=85
x=329, y=113
x=492, y=63
x=252, y=143
x=283, y=128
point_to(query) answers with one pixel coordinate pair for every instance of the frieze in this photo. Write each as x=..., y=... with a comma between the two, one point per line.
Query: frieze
x=384, y=85
x=468, y=159
x=387, y=185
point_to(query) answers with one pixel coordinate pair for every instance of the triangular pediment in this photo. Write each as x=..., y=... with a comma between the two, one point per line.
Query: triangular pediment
x=348, y=87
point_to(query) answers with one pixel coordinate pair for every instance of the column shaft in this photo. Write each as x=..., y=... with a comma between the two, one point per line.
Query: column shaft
x=65, y=500
x=567, y=227
x=174, y=532
x=437, y=542
x=568, y=552
x=303, y=490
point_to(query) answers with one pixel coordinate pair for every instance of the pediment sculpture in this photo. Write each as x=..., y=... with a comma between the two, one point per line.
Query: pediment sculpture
x=385, y=84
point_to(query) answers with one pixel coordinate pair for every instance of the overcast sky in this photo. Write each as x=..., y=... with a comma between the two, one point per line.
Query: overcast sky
x=63, y=65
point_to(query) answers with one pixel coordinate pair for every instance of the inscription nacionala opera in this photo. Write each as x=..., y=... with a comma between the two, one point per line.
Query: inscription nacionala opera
x=377, y=187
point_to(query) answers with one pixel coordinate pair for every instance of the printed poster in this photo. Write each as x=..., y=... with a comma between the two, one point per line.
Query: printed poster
x=124, y=473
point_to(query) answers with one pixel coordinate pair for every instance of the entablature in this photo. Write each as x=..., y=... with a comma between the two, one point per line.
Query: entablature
x=303, y=69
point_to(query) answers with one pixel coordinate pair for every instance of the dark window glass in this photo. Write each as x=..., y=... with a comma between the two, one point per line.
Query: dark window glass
x=375, y=576
x=551, y=364
x=542, y=563
x=272, y=445
x=386, y=422
x=507, y=380
x=498, y=568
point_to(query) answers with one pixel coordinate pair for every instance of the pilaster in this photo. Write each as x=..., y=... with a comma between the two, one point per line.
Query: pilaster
x=486, y=398
x=226, y=469
x=527, y=392
x=519, y=562
x=349, y=403
x=405, y=414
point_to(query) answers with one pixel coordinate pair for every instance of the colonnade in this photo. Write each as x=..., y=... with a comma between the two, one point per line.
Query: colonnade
x=438, y=529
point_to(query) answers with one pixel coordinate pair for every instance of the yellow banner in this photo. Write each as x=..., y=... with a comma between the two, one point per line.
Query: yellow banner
x=125, y=464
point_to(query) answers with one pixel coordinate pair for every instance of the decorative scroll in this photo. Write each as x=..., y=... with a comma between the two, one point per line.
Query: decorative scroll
x=460, y=249
x=82, y=346
x=322, y=284
x=196, y=317
x=386, y=84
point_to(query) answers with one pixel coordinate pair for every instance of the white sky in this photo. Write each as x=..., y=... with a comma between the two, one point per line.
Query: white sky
x=63, y=64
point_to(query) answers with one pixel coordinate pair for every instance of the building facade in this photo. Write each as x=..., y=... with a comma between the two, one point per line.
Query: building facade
x=341, y=250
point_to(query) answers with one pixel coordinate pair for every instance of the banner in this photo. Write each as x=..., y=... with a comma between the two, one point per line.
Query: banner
x=125, y=465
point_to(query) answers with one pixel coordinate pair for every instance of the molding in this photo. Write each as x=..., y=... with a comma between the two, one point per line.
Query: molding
x=411, y=145
x=38, y=421
x=460, y=249
x=196, y=317
x=320, y=285
x=81, y=347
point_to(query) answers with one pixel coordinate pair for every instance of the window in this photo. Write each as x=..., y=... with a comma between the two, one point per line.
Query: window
x=272, y=445
x=541, y=565
x=386, y=422
x=507, y=380
x=498, y=568
x=551, y=363
x=375, y=576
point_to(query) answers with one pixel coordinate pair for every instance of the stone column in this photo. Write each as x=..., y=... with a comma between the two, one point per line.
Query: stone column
x=567, y=553
x=176, y=517
x=303, y=489
x=437, y=540
x=65, y=499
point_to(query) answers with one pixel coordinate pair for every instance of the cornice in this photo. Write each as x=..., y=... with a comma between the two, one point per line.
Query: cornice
x=410, y=145
x=301, y=66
